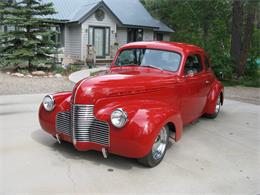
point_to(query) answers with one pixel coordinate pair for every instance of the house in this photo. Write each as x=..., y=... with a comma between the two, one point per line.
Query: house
x=104, y=24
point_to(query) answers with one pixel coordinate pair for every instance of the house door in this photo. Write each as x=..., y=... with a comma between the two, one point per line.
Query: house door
x=99, y=42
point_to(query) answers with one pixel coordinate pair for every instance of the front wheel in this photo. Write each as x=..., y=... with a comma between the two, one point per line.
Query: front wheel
x=158, y=150
x=217, y=109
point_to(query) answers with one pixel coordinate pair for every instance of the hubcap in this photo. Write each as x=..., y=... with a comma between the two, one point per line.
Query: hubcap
x=159, y=145
x=218, y=105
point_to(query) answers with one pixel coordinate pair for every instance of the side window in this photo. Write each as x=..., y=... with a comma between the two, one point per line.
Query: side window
x=193, y=64
x=207, y=64
x=126, y=57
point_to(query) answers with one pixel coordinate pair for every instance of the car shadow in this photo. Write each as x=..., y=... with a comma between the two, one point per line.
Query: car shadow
x=117, y=162
x=69, y=152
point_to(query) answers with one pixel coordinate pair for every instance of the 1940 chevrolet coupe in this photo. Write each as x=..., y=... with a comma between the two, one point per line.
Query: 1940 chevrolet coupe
x=150, y=92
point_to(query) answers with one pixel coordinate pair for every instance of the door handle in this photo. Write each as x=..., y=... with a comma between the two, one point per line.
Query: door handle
x=207, y=82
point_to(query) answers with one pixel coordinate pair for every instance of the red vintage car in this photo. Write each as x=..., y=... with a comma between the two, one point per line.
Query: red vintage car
x=150, y=92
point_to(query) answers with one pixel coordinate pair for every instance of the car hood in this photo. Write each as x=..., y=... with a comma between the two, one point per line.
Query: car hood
x=121, y=82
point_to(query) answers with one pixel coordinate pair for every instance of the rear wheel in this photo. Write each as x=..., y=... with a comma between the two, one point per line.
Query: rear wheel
x=217, y=109
x=158, y=150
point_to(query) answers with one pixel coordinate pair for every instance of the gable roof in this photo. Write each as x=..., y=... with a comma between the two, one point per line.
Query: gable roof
x=163, y=27
x=127, y=12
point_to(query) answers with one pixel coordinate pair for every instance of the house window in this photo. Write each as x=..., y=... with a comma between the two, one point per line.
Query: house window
x=134, y=35
x=100, y=15
x=56, y=38
x=158, y=36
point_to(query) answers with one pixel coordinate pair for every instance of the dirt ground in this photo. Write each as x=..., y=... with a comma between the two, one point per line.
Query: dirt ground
x=243, y=94
x=11, y=85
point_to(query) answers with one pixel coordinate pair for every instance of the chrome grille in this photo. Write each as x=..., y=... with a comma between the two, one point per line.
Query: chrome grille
x=63, y=123
x=81, y=124
x=86, y=128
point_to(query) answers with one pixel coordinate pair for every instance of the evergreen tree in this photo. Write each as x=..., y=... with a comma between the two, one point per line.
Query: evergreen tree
x=28, y=38
x=227, y=35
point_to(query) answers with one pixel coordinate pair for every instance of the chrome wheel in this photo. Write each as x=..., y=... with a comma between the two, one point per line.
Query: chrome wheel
x=217, y=109
x=218, y=104
x=160, y=144
x=158, y=149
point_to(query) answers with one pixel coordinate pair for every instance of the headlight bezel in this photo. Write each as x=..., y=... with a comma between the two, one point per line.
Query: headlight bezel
x=53, y=103
x=123, y=114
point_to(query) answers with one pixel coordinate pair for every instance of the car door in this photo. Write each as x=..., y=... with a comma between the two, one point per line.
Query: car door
x=193, y=97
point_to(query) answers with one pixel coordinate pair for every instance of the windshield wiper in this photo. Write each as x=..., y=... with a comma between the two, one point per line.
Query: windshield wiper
x=151, y=66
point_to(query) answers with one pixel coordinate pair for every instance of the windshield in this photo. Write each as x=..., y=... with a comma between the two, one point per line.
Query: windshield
x=164, y=60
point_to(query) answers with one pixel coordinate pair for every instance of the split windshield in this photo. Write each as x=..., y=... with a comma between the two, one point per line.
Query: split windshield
x=159, y=59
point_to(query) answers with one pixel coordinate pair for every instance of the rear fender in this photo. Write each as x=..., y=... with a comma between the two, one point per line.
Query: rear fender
x=212, y=98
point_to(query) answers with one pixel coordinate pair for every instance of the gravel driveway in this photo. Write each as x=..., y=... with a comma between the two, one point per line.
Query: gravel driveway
x=10, y=85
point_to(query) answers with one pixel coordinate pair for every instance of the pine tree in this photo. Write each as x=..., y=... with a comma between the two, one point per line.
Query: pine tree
x=28, y=41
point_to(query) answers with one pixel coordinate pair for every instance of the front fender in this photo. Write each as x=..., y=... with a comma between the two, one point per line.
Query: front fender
x=216, y=90
x=47, y=119
x=145, y=119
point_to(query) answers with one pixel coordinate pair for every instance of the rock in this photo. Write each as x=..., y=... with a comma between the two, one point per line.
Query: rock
x=58, y=75
x=29, y=76
x=41, y=65
x=38, y=73
x=17, y=74
x=51, y=76
x=8, y=73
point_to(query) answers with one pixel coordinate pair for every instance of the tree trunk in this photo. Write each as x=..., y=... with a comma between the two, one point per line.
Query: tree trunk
x=205, y=34
x=30, y=65
x=252, y=7
x=237, y=25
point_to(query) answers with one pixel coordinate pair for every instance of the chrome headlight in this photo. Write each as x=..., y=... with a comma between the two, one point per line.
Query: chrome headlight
x=48, y=103
x=118, y=118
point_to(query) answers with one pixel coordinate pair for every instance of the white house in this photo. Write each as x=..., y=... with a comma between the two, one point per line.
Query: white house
x=104, y=25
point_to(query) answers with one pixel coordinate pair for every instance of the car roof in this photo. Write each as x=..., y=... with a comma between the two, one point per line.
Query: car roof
x=164, y=45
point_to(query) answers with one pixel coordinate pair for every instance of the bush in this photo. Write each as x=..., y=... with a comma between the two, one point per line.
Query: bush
x=67, y=70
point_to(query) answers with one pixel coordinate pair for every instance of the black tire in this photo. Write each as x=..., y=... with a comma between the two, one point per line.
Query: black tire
x=150, y=160
x=218, y=103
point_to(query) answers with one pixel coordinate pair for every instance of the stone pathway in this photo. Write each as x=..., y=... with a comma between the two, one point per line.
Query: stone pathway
x=79, y=75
